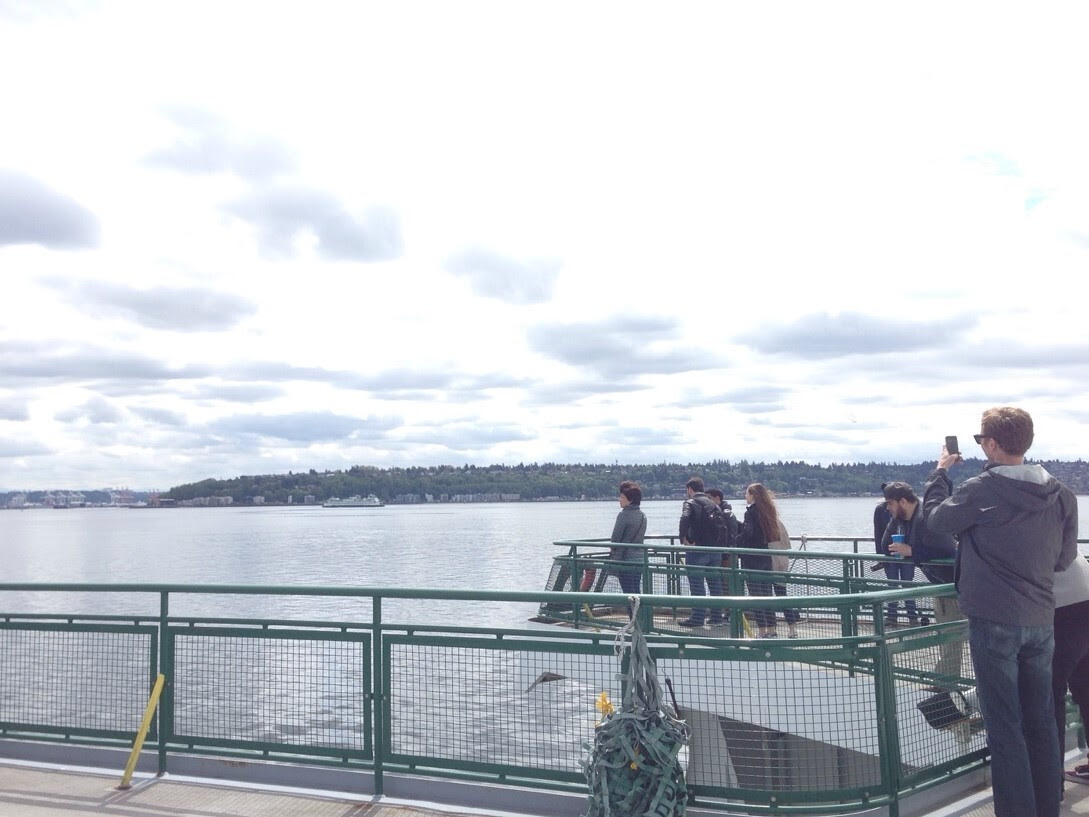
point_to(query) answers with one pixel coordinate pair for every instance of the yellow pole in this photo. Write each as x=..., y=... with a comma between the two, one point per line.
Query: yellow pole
x=745, y=624
x=145, y=725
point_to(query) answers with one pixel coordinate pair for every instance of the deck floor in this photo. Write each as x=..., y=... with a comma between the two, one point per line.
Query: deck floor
x=38, y=791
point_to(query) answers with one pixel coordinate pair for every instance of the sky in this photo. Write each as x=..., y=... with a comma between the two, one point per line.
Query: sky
x=259, y=237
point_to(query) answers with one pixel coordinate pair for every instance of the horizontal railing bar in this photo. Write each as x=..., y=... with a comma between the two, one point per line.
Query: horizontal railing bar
x=553, y=596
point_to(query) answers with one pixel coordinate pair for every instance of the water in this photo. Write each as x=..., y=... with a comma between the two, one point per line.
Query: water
x=470, y=546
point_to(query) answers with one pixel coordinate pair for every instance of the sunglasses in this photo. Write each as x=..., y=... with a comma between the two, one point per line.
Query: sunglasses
x=979, y=438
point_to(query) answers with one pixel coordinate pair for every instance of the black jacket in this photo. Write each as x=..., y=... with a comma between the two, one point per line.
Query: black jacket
x=691, y=512
x=751, y=535
x=881, y=519
x=926, y=545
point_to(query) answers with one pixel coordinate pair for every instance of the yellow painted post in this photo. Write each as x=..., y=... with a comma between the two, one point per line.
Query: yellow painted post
x=145, y=725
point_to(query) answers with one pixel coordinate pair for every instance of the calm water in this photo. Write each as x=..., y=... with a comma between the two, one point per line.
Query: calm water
x=482, y=546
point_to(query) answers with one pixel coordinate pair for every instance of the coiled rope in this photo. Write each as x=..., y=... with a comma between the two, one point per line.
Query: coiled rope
x=633, y=766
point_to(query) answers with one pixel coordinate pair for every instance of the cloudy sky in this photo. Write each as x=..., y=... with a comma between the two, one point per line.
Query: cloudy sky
x=253, y=237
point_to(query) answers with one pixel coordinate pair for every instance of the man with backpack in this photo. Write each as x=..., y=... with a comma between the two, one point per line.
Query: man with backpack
x=727, y=536
x=703, y=525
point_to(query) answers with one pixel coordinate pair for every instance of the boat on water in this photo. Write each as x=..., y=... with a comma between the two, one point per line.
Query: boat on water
x=395, y=699
x=357, y=501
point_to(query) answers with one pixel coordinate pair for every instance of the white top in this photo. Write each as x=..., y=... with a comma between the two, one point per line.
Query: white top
x=1072, y=585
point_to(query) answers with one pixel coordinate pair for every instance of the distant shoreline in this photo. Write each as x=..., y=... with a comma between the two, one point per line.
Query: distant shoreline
x=302, y=506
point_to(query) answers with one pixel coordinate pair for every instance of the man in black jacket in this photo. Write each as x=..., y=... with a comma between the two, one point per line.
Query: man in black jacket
x=923, y=547
x=1017, y=526
x=703, y=566
x=903, y=571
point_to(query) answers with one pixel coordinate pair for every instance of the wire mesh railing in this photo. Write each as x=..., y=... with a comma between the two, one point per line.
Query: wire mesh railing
x=586, y=566
x=831, y=720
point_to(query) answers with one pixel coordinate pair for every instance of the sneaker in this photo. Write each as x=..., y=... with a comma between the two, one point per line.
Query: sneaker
x=1079, y=774
x=688, y=622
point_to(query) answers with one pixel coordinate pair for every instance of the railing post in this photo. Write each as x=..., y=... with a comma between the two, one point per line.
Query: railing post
x=736, y=588
x=673, y=574
x=166, y=668
x=576, y=585
x=888, y=727
x=379, y=694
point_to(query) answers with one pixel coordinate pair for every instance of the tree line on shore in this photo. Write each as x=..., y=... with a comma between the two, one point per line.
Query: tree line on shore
x=556, y=481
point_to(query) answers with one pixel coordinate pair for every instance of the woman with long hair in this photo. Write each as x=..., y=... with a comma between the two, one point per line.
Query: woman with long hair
x=760, y=526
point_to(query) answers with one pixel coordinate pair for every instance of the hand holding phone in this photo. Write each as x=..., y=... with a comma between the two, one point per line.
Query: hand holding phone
x=951, y=454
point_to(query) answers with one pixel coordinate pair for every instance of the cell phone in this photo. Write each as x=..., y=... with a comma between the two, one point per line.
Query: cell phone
x=951, y=445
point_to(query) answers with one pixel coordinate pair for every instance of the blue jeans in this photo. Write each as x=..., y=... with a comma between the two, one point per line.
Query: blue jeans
x=697, y=577
x=901, y=571
x=1013, y=679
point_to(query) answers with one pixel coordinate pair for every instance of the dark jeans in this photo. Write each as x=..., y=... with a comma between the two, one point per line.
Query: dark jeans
x=764, y=618
x=629, y=578
x=792, y=615
x=1013, y=677
x=701, y=580
x=901, y=571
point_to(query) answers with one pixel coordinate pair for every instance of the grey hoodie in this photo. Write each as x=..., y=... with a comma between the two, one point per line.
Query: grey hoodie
x=1017, y=525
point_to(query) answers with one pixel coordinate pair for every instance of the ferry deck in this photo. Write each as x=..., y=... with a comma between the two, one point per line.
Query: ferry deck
x=37, y=790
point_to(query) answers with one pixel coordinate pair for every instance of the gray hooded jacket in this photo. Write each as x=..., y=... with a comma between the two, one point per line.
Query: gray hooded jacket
x=1017, y=525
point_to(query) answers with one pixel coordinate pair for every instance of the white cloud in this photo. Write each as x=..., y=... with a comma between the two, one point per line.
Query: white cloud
x=403, y=234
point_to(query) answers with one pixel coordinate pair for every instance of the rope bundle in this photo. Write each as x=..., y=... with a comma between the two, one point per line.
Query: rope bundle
x=633, y=766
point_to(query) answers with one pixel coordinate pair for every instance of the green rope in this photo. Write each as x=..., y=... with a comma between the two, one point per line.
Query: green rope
x=633, y=767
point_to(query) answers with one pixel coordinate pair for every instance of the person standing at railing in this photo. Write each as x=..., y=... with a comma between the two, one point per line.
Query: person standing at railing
x=881, y=519
x=923, y=546
x=704, y=567
x=903, y=570
x=1070, y=664
x=781, y=564
x=1017, y=526
x=630, y=528
x=732, y=525
x=761, y=525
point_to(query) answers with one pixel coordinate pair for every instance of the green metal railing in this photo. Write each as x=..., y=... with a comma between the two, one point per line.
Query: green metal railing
x=586, y=565
x=829, y=723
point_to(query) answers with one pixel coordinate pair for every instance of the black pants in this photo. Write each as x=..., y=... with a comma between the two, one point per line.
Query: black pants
x=1070, y=664
x=792, y=615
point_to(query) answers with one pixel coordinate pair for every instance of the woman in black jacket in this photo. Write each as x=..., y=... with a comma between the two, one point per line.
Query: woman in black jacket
x=761, y=525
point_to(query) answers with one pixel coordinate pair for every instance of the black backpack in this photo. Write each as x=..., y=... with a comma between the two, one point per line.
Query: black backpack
x=714, y=528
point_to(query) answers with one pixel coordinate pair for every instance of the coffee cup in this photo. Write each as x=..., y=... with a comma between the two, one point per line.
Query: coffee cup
x=898, y=539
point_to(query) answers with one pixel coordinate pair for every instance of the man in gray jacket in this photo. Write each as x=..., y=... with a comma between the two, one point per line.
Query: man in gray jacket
x=1017, y=525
